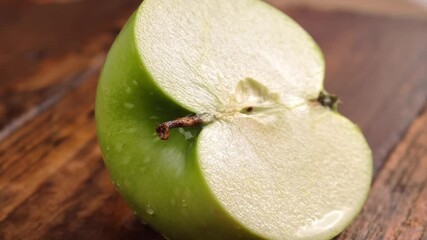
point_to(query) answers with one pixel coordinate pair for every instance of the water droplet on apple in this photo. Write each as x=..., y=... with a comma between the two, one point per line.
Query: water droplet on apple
x=108, y=149
x=184, y=203
x=149, y=210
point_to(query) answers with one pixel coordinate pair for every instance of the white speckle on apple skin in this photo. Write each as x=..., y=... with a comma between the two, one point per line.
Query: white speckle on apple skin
x=187, y=134
x=129, y=105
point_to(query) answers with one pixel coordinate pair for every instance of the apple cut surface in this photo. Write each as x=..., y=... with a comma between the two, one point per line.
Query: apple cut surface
x=297, y=173
x=270, y=162
x=198, y=51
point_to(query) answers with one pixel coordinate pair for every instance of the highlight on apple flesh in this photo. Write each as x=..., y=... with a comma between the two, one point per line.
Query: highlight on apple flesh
x=214, y=124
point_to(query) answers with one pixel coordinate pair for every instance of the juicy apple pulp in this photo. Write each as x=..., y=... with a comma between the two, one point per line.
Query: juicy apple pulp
x=270, y=161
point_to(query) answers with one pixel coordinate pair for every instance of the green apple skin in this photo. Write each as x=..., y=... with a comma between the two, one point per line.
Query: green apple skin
x=160, y=180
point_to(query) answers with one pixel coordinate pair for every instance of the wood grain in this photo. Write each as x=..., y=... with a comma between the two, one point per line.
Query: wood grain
x=44, y=46
x=397, y=205
x=53, y=184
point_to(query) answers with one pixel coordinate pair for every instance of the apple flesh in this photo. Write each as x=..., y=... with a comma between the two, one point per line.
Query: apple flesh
x=269, y=160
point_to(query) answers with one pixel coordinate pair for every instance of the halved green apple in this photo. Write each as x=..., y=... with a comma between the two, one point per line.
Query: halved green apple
x=269, y=160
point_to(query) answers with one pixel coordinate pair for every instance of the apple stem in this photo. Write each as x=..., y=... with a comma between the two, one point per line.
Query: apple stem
x=189, y=121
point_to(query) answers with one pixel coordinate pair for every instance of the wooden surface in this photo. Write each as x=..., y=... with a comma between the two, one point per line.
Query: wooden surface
x=53, y=184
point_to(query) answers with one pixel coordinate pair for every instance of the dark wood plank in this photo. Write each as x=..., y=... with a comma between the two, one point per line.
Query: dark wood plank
x=397, y=205
x=34, y=153
x=43, y=45
x=52, y=180
x=376, y=65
